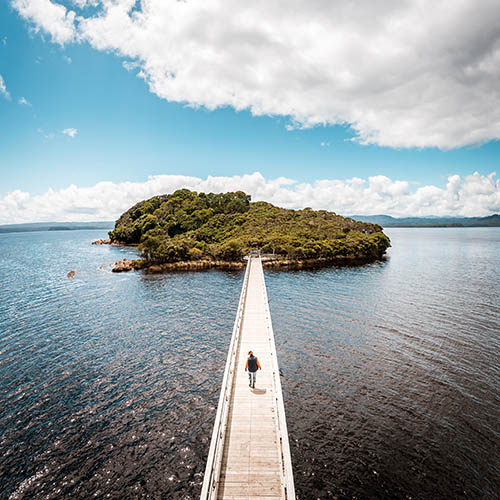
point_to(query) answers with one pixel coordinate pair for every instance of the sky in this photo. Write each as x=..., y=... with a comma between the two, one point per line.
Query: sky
x=391, y=106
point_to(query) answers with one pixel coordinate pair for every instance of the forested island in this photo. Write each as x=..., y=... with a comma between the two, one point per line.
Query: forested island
x=190, y=230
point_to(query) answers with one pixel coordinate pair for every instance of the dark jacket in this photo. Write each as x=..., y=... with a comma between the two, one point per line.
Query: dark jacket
x=252, y=364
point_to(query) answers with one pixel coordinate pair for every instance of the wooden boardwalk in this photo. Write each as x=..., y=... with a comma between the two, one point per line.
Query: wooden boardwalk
x=249, y=455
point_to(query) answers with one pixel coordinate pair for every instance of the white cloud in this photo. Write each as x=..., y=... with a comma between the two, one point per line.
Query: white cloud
x=401, y=73
x=3, y=88
x=68, y=59
x=474, y=195
x=324, y=144
x=4, y=40
x=51, y=17
x=70, y=132
x=24, y=101
x=82, y=4
x=130, y=65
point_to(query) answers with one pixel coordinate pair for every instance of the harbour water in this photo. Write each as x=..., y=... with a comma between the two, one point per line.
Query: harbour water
x=390, y=371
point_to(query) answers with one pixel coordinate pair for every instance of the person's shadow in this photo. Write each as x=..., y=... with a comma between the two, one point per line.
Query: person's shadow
x=259, y=391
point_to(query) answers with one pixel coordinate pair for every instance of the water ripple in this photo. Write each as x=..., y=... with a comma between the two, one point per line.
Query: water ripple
x=110, y=383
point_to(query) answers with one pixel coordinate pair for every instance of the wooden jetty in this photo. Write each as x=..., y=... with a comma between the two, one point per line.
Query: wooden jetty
x=249, y=456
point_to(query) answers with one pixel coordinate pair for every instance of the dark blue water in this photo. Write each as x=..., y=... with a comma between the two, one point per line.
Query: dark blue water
x=108, y=383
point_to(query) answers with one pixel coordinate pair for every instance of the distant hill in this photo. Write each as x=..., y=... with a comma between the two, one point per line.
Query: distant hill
x=54, y=226
x=432, y=221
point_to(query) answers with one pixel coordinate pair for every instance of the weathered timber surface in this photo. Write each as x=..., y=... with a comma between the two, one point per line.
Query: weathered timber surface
x=254, y=462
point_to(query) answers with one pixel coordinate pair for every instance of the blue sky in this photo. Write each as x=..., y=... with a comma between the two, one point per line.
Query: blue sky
x=126, y=132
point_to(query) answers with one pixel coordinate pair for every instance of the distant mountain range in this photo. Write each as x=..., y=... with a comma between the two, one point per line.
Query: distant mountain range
x=432, y=221
x=382, y=220
x=54, y=226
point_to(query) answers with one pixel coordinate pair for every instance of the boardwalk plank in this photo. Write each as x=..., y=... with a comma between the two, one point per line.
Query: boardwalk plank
x=251, y=433
x=251, y=465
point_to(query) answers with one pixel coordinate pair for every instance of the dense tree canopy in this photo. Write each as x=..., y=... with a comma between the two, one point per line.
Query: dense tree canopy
x=186, y=226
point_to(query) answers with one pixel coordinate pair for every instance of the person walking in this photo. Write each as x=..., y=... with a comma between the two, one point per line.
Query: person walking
x=252, y=366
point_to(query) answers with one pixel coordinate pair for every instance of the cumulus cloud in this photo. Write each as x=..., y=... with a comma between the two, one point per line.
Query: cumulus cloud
x=3, y=88
x=51, y=17
x=474, y=195
x=130, y=65
x=70, y=132
x=82, y=4
x=412, y=73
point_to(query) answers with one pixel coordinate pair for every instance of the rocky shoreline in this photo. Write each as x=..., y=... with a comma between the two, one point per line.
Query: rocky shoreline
x=126, y=265
x=114, y=243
